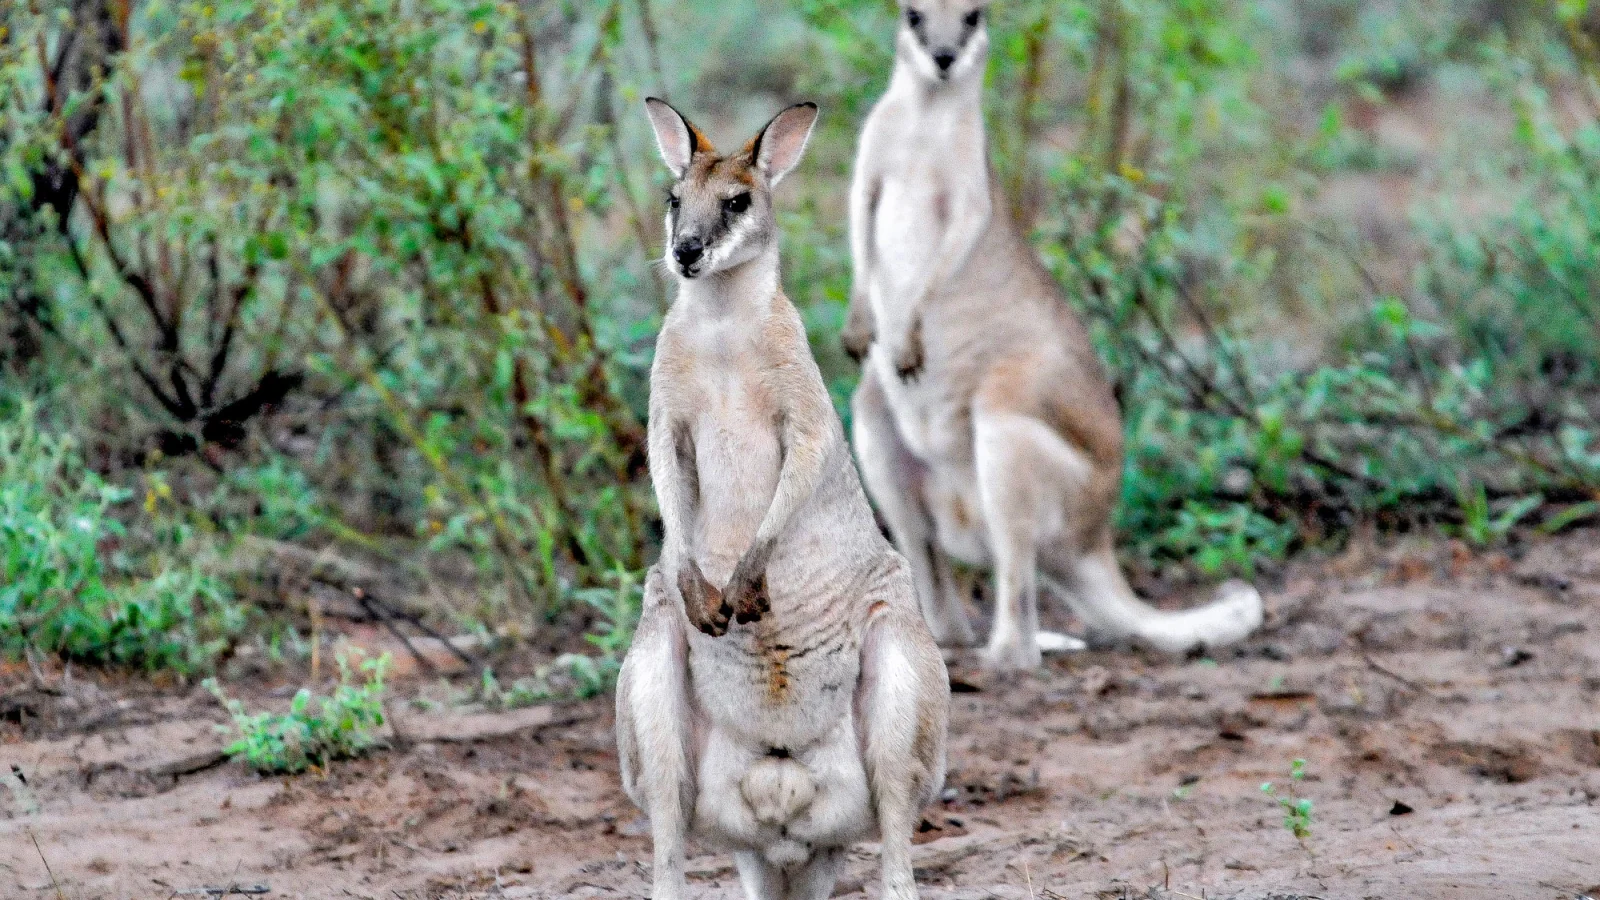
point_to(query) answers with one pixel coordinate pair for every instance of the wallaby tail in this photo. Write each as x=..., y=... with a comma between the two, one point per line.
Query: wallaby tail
x=1099, y=594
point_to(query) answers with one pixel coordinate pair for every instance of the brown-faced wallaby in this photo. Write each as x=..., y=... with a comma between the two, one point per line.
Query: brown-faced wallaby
x=985, y=426
x=801, y=706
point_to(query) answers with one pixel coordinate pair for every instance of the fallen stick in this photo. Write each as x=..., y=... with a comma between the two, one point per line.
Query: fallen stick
x=486, y=726
x=1375, y=666
x=252, y=890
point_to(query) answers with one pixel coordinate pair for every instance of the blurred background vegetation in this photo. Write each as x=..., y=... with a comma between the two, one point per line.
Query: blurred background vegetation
x=308, y=299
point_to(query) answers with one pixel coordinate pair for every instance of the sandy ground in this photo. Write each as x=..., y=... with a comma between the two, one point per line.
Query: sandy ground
x=1447, y=706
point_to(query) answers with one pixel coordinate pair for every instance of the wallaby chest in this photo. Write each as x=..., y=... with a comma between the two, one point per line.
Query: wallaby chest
x=929, y=171
x=723, y=392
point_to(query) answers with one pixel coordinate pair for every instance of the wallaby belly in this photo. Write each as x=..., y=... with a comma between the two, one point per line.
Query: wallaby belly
x=931, y=413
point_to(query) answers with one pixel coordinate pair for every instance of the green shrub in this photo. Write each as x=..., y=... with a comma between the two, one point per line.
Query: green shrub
x=68, y=580
x=341, y=726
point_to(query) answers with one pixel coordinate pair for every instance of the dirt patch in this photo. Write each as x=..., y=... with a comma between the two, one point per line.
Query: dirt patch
x=1506, y=765
x=1448, y=713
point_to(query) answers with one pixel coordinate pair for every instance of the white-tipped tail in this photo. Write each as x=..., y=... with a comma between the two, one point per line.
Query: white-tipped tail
x=1101, y=596
x=1056, y=642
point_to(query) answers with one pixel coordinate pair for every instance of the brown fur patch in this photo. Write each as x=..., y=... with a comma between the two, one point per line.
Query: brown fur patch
x=702, y=144
x=709, y=169
x=737, y=168
x=958, y=508
x=777, y=674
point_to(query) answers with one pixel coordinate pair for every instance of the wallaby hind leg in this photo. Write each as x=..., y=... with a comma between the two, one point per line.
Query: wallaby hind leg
x=760, y=879
x=902, y=710
x=893, y=478
x=1030, y=483
x=815, y=880
x=653, y=740
x=1040, y=500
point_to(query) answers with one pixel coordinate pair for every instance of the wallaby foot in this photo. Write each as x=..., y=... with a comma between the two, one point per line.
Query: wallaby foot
x=1011, y=650
x=950, y=631
x=816, y=879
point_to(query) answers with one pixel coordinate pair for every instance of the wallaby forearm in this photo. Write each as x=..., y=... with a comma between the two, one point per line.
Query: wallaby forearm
x=859, y=326
x=803, y=459
x=864, y=194
x=674, y=484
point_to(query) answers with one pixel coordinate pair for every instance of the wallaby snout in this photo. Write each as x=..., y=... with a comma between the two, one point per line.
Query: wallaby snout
x=687, y=252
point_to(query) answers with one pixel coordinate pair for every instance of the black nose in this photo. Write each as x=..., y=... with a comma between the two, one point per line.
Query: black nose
x=944, y=59
x=688, y=252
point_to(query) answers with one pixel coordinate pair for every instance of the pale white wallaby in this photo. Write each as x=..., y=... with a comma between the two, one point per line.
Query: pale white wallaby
x=801, y=706
x=985, y=427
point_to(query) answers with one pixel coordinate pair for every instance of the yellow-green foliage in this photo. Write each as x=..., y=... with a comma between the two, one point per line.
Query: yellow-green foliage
x=64, y=591
x=316, y=730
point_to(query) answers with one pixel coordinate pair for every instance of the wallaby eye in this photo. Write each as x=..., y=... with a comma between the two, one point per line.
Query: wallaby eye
x=913, y=18
x=672, y=201
x=973, y=18
x=737, y=204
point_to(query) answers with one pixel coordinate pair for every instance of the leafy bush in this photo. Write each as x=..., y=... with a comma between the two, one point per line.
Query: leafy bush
x=361, y=221
x=343, y=725
x=64, y=589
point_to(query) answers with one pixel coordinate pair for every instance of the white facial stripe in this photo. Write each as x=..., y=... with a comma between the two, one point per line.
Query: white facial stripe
x=737, y=236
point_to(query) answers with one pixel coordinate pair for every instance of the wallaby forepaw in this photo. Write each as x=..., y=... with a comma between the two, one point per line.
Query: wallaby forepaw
x=747, y=597
x=858, y=333
x=908, y=362
x=908, y=368
x=857, y=342
x=708, y=608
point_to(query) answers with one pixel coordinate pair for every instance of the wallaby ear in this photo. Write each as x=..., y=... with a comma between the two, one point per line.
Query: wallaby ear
x=779, y=146
x=677, y=139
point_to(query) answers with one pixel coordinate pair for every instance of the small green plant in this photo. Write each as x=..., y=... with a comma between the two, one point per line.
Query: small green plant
x=578, y=675
x=522, y=692
x=1296, y=809
x=75, y=583
x=344, y=725
x=1481, y=525
x=619, y=613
